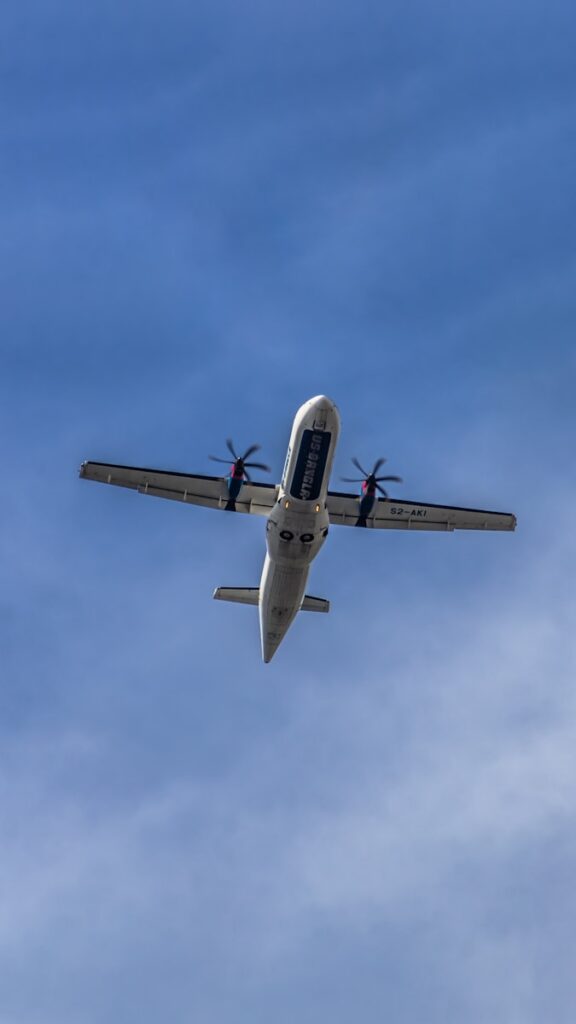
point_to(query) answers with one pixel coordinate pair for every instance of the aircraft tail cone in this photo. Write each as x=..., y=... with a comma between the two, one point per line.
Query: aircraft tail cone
x=269, y=648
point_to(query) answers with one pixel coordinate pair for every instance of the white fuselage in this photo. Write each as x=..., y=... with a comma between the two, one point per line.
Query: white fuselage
x=298, y=524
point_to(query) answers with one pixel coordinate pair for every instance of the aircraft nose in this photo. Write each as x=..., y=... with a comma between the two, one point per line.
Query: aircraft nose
x=323, y=403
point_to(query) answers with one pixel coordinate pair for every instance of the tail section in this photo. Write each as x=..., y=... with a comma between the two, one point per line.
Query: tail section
x=251, y=595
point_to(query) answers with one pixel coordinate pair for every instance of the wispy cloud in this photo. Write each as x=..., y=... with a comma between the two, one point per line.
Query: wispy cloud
x=448, y=781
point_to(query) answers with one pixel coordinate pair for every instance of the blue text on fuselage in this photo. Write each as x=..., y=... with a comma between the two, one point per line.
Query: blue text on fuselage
x=310, y=465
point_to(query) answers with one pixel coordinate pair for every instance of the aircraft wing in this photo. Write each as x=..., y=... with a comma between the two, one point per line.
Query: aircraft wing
x=210, y=491
x=392, y=514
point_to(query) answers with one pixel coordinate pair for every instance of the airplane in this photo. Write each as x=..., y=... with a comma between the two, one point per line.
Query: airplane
x=299, y=512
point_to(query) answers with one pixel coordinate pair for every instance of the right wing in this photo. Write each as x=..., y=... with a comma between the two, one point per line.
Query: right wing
x=210, y=491
x=392, y=514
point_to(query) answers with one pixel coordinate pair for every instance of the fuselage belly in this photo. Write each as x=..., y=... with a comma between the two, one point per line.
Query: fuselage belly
x=298, y=524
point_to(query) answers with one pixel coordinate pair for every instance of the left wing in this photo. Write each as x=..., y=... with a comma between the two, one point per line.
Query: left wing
x=210, y=491
x=390, y=514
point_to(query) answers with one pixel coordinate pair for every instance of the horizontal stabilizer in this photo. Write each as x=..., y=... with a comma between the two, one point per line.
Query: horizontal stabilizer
x=241, y=595
x=315, y=604
x=251, y=595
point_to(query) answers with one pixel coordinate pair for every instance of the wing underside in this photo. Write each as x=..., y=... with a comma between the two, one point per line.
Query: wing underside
x=209, y=491
x=389, y=514
x=258, y=499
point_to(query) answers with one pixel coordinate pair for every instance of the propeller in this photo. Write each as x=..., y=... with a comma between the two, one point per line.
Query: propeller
x=370, y=479
x=241, y=466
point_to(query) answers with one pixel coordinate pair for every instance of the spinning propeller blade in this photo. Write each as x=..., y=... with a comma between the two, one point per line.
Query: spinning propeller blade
x=240, y=464
x=370, y=479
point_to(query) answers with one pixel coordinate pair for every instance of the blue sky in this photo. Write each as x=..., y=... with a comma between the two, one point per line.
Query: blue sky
x=210, y=213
